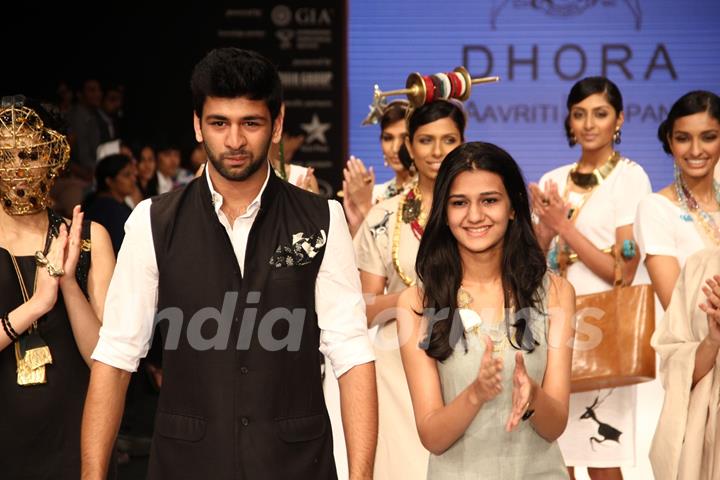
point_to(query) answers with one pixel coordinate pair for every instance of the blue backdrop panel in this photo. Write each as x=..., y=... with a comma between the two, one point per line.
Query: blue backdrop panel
x=654, y=50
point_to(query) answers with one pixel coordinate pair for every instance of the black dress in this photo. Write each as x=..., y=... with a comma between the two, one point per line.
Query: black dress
x=40, y=424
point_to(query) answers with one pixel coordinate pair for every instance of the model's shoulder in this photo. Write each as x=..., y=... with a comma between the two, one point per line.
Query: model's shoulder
x=631, y=166
x=557, y=174
x=655, y=200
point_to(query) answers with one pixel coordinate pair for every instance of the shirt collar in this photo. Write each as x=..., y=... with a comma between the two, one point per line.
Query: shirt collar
x=217, y=199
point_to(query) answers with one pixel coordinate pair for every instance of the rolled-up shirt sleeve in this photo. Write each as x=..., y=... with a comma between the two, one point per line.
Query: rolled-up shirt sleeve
x=131, y=299
x=339, y=302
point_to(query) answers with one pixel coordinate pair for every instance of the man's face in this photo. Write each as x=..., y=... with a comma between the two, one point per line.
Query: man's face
x=237, y=133
x=168, y=161
x=92, y=93
x=112, y=101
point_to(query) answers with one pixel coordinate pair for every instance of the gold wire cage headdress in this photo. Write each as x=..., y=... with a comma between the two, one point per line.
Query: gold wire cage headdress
x=31, y=156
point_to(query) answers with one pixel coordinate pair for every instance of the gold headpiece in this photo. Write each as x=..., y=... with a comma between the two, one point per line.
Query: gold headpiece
x=422, y=89
x=31, y=156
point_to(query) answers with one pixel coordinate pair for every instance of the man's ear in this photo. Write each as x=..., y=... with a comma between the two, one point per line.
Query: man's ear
x=196, y=126
x=278, y=125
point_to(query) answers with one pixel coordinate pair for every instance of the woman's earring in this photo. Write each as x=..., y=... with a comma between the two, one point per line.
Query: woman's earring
x=385, y=162
x=573, y=140
x=617, y=137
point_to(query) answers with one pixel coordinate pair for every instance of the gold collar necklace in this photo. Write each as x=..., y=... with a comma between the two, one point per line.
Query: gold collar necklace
x=597, y=176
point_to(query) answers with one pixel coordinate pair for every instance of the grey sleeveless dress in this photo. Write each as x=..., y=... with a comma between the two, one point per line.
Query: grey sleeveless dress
x=486, y=450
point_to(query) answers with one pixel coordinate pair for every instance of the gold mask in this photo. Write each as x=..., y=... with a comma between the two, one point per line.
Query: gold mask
x=31, y=156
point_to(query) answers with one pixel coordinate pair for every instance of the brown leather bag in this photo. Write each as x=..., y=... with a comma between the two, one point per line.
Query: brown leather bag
x=612, y=337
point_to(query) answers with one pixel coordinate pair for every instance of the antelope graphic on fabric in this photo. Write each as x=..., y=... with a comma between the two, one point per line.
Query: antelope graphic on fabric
x=380, y=228
x=607, y=432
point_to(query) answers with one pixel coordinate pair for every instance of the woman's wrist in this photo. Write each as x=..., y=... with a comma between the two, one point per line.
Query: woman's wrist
x=474, y=396
x=534, y=390
x=530, y=406
x=564, y=227
x=37, y=307
x=68, y=282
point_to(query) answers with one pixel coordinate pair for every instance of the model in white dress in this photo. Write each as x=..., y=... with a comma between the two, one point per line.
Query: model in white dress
x=611, y=205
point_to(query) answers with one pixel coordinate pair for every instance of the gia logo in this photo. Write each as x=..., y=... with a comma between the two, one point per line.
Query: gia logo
x=564, y=8
x=281, y=15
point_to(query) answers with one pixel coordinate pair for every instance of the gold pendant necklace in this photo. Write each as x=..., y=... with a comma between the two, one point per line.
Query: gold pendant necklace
x=473, y=322
x=31, y=351
x=407, y=280
x=409, y=212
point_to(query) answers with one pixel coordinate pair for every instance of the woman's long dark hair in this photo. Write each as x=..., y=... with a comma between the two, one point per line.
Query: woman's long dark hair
x=438, y=261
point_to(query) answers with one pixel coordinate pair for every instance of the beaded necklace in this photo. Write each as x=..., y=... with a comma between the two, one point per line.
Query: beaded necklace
x=689, y=204
x=409, y=212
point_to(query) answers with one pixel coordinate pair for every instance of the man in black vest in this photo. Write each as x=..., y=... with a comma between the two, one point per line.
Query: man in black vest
x=250, y=277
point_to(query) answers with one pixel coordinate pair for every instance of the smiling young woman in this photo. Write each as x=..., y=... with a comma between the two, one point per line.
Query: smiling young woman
x=500, y=353
x=683, y=217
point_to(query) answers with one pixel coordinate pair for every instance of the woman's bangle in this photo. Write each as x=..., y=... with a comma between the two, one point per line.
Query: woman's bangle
x=9, y=330
x=529, y=412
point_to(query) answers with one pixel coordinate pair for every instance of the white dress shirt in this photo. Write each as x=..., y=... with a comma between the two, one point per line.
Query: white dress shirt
x=131, y=301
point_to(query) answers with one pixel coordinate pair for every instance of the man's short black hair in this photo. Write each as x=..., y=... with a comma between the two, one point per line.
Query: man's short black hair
x=231, y=72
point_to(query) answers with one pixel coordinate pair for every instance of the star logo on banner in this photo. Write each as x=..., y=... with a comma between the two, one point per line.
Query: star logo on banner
x=315, y=130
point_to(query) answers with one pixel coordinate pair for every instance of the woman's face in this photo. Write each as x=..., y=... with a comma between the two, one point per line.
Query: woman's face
x=695, y=144
x=198, y=156
x=431, y=143
x=478, y=210
x=391, y=139
x=593, y=122
x=123, y=184
x=146, y=164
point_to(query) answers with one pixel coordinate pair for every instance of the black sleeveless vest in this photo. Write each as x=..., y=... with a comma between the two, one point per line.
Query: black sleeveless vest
x=242, y=395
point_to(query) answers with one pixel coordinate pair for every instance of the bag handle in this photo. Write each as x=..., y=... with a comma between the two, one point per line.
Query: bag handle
x=618, y=270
